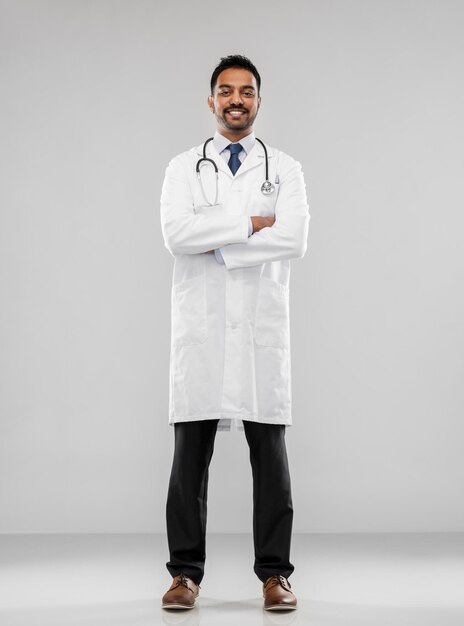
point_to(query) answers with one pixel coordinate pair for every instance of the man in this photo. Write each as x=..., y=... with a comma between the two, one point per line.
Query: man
x=232, y=239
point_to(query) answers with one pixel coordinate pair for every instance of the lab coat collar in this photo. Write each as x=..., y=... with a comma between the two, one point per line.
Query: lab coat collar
x=222, y=142
x=255, y=158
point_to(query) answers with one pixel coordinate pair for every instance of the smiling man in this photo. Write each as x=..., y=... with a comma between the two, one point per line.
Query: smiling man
x=234, y=214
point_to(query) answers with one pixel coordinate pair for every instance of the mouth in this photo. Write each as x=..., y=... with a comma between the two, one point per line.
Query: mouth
x=236, y=113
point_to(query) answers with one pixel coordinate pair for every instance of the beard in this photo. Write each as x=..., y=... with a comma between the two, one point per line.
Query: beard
x=236, y=124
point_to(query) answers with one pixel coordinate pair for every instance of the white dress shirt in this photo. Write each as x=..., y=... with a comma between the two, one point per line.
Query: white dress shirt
x=221, y=144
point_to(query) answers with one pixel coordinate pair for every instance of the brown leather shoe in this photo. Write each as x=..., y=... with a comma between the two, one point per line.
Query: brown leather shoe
x=277, y=594
x=181, y=594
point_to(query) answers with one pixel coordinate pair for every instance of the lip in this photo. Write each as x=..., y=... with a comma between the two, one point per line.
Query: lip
x=236, y=111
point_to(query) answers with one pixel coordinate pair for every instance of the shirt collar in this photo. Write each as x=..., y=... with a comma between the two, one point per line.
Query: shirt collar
x=221, y=142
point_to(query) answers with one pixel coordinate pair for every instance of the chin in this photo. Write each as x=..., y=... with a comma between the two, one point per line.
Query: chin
x=237, y=126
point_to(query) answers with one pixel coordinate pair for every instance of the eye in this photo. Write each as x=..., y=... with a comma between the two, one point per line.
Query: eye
x=249, y=93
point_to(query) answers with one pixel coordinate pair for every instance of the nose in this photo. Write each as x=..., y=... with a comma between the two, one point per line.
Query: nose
x=236, y=98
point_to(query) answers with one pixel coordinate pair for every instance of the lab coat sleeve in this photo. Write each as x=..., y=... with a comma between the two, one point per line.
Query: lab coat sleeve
x=187, y=232
x=287, y=238
x=217, y=252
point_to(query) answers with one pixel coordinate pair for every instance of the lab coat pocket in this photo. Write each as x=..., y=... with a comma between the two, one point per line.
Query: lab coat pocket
x=188, y=308
x=263, y=205
x=272, y=321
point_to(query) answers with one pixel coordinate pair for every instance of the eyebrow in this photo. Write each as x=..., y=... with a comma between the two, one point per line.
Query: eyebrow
x=243, y=87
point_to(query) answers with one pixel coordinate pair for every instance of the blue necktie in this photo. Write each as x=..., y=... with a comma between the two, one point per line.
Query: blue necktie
x=234, y=161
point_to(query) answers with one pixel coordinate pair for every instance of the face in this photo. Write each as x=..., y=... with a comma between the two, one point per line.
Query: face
x=235, y=101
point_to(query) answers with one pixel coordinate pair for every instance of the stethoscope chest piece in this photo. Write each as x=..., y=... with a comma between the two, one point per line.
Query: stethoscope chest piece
x=267, y=188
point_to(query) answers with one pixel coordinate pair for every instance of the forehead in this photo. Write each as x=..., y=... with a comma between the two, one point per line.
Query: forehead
x=237, y=77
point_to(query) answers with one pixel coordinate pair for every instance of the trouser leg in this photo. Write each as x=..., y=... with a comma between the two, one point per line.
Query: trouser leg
x=272, y=499
x=186, y=506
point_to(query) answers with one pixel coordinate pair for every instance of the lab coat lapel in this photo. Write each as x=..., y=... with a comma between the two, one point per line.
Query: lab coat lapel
x=254, y=159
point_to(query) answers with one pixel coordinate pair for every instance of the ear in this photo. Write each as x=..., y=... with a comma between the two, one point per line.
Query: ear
x=211, y=104
x=259, y=101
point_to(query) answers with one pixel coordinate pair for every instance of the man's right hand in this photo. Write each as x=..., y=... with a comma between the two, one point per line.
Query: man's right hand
x=260, y=221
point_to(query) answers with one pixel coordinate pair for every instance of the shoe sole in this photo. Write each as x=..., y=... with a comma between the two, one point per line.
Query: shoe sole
x=176, y=605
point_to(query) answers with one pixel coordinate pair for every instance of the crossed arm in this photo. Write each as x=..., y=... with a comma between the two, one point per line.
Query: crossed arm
x=186, y=232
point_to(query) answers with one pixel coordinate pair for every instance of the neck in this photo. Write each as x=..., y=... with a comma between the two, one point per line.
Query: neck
x=234, y=136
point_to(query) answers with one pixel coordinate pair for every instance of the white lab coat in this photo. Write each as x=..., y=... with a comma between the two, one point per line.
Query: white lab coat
x=230, y=326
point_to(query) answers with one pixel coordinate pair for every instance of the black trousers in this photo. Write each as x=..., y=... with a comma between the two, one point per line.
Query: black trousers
x=186, y=506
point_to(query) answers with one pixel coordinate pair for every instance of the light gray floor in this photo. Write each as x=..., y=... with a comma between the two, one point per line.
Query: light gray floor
x=353, y=579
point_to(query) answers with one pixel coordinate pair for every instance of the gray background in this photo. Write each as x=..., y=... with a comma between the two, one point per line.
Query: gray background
x=96, y=98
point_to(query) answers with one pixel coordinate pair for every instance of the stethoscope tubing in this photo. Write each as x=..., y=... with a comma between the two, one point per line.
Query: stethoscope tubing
x=267, y=187
x=205, y=158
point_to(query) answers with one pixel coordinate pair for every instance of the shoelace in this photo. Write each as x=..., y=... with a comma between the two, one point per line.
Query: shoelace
x=278, y=580
x=183, y=580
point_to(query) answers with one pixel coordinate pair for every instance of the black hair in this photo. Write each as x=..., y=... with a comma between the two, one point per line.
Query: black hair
x=235, y=60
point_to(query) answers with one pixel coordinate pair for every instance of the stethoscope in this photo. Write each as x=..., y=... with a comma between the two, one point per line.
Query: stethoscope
x=266, y=188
